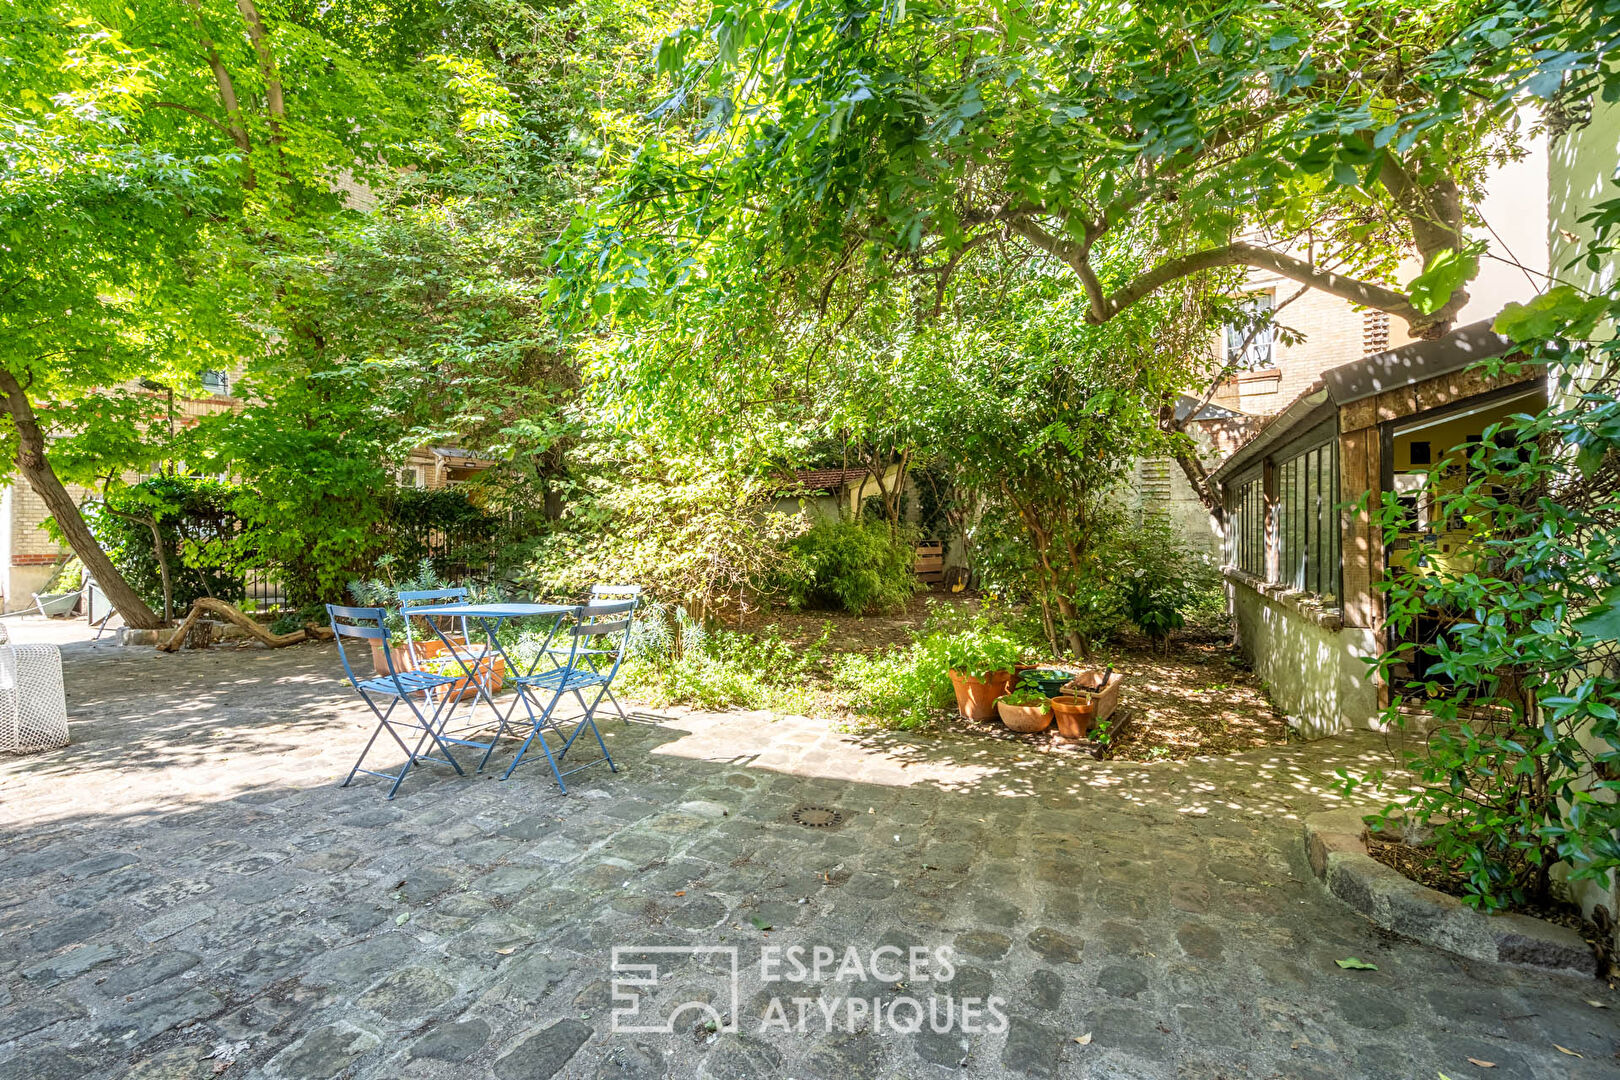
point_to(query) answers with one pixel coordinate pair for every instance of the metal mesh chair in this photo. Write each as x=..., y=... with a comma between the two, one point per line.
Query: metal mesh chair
x=395, y=687
x=33, y=707
x=594, y=656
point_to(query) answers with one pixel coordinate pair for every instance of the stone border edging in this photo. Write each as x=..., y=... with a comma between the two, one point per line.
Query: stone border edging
x=1336, y=846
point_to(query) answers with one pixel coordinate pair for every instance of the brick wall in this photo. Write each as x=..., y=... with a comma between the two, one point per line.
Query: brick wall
x=30, y=544
x=1332, y=332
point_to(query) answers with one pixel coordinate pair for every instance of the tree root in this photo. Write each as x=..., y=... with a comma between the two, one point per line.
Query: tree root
x=231, y=614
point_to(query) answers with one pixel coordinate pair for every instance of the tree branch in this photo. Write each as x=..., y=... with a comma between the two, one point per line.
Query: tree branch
x=227, y=94
x=198, y=113
x=1240, y=253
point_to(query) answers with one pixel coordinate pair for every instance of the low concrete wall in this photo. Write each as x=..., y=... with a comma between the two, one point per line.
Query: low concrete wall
x=23, y=582
x=1314, y=673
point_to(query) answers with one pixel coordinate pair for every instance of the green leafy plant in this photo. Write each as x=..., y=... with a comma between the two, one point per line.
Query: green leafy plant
x=195, y=520
x=856, y=566
x=1160, y=577
x=977, y=651
x=383, y=592
x=1028, y=697
x=907, y=686
x=682, y=663
x=1522, y=767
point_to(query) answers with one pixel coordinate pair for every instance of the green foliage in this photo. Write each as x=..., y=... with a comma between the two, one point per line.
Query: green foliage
x=1522, y=768
x=394, y=578
x=857, y=566
x=905, y=687
x=69, y=577
x=880, y=136
x=1029, y=697
x=722, y=669
x=691, y=529
x=200, y=530
x=1160, y=578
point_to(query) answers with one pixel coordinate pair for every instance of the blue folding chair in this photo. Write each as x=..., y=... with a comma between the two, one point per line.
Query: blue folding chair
x=397, y=686
x=596, y=651
x=601, y=594
x=413, y=607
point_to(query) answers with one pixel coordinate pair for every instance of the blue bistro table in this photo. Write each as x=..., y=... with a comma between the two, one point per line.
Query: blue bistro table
x=490, y=618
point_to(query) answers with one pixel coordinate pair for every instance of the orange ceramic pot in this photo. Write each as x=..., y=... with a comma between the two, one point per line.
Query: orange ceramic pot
x=976, y=697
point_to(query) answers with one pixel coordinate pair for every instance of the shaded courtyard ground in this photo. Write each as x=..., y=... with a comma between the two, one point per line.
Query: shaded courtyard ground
x=185, y=892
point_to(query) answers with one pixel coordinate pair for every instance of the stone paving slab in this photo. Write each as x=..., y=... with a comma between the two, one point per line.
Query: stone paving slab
x=185, y=892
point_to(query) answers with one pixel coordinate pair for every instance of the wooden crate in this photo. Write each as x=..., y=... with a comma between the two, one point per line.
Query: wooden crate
x=929, y=563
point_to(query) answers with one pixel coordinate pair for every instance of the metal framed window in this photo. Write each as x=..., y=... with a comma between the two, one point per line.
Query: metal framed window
x=1309, y=546
x=217, y=383
x=1249, y=529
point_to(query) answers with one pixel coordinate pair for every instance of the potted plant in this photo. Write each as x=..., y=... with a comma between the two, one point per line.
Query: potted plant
x=1025, y=710
x=981, y=661
x=1075, y=714
x=1049, y=681
x=1101, y=688
x=490, y=673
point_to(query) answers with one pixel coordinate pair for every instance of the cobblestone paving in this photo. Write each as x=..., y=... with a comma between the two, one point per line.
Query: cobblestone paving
x=186, y=893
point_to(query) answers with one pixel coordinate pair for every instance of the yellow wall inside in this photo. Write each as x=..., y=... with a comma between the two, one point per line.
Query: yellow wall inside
x=1446, y=442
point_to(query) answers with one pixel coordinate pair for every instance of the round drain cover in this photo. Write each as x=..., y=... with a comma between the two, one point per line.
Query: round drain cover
x=817, y=817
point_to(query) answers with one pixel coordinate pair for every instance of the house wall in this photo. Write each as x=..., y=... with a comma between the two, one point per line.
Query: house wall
x=814, y=507
x=1159, y=485
x=1581, y=171
x=1334, y=333
x=1515, y=214
x=1313, y=669
x=30, y=555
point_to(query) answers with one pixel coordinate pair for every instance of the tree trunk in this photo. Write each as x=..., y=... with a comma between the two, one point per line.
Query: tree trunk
x=36, y=468
x=1192, y=467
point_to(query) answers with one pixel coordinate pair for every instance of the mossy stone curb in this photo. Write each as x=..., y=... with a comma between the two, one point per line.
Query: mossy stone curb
x=1336, y=845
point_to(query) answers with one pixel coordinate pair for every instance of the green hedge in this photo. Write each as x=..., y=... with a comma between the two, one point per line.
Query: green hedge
x=212, y=550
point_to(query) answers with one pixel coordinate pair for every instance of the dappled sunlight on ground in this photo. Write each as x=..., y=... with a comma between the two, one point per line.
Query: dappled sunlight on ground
x=188, y=876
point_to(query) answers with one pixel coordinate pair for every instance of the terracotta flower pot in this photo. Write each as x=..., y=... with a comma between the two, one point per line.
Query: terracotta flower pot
x=1075, y=715
x=1104, y=698
x=402, y=656
x=976, y=697
x=490, y=673
x=1025, y=719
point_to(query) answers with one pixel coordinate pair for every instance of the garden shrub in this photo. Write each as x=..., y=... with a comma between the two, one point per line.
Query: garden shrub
x=685, y=529
x=383, y=591
x=673, y=659
x=1160, y=579
x=200, y=531
x=856, y=566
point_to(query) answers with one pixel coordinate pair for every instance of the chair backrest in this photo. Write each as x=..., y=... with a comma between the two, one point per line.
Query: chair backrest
x=598, y=592
x=353, y=627
x=597, y=626
x=411, y=606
